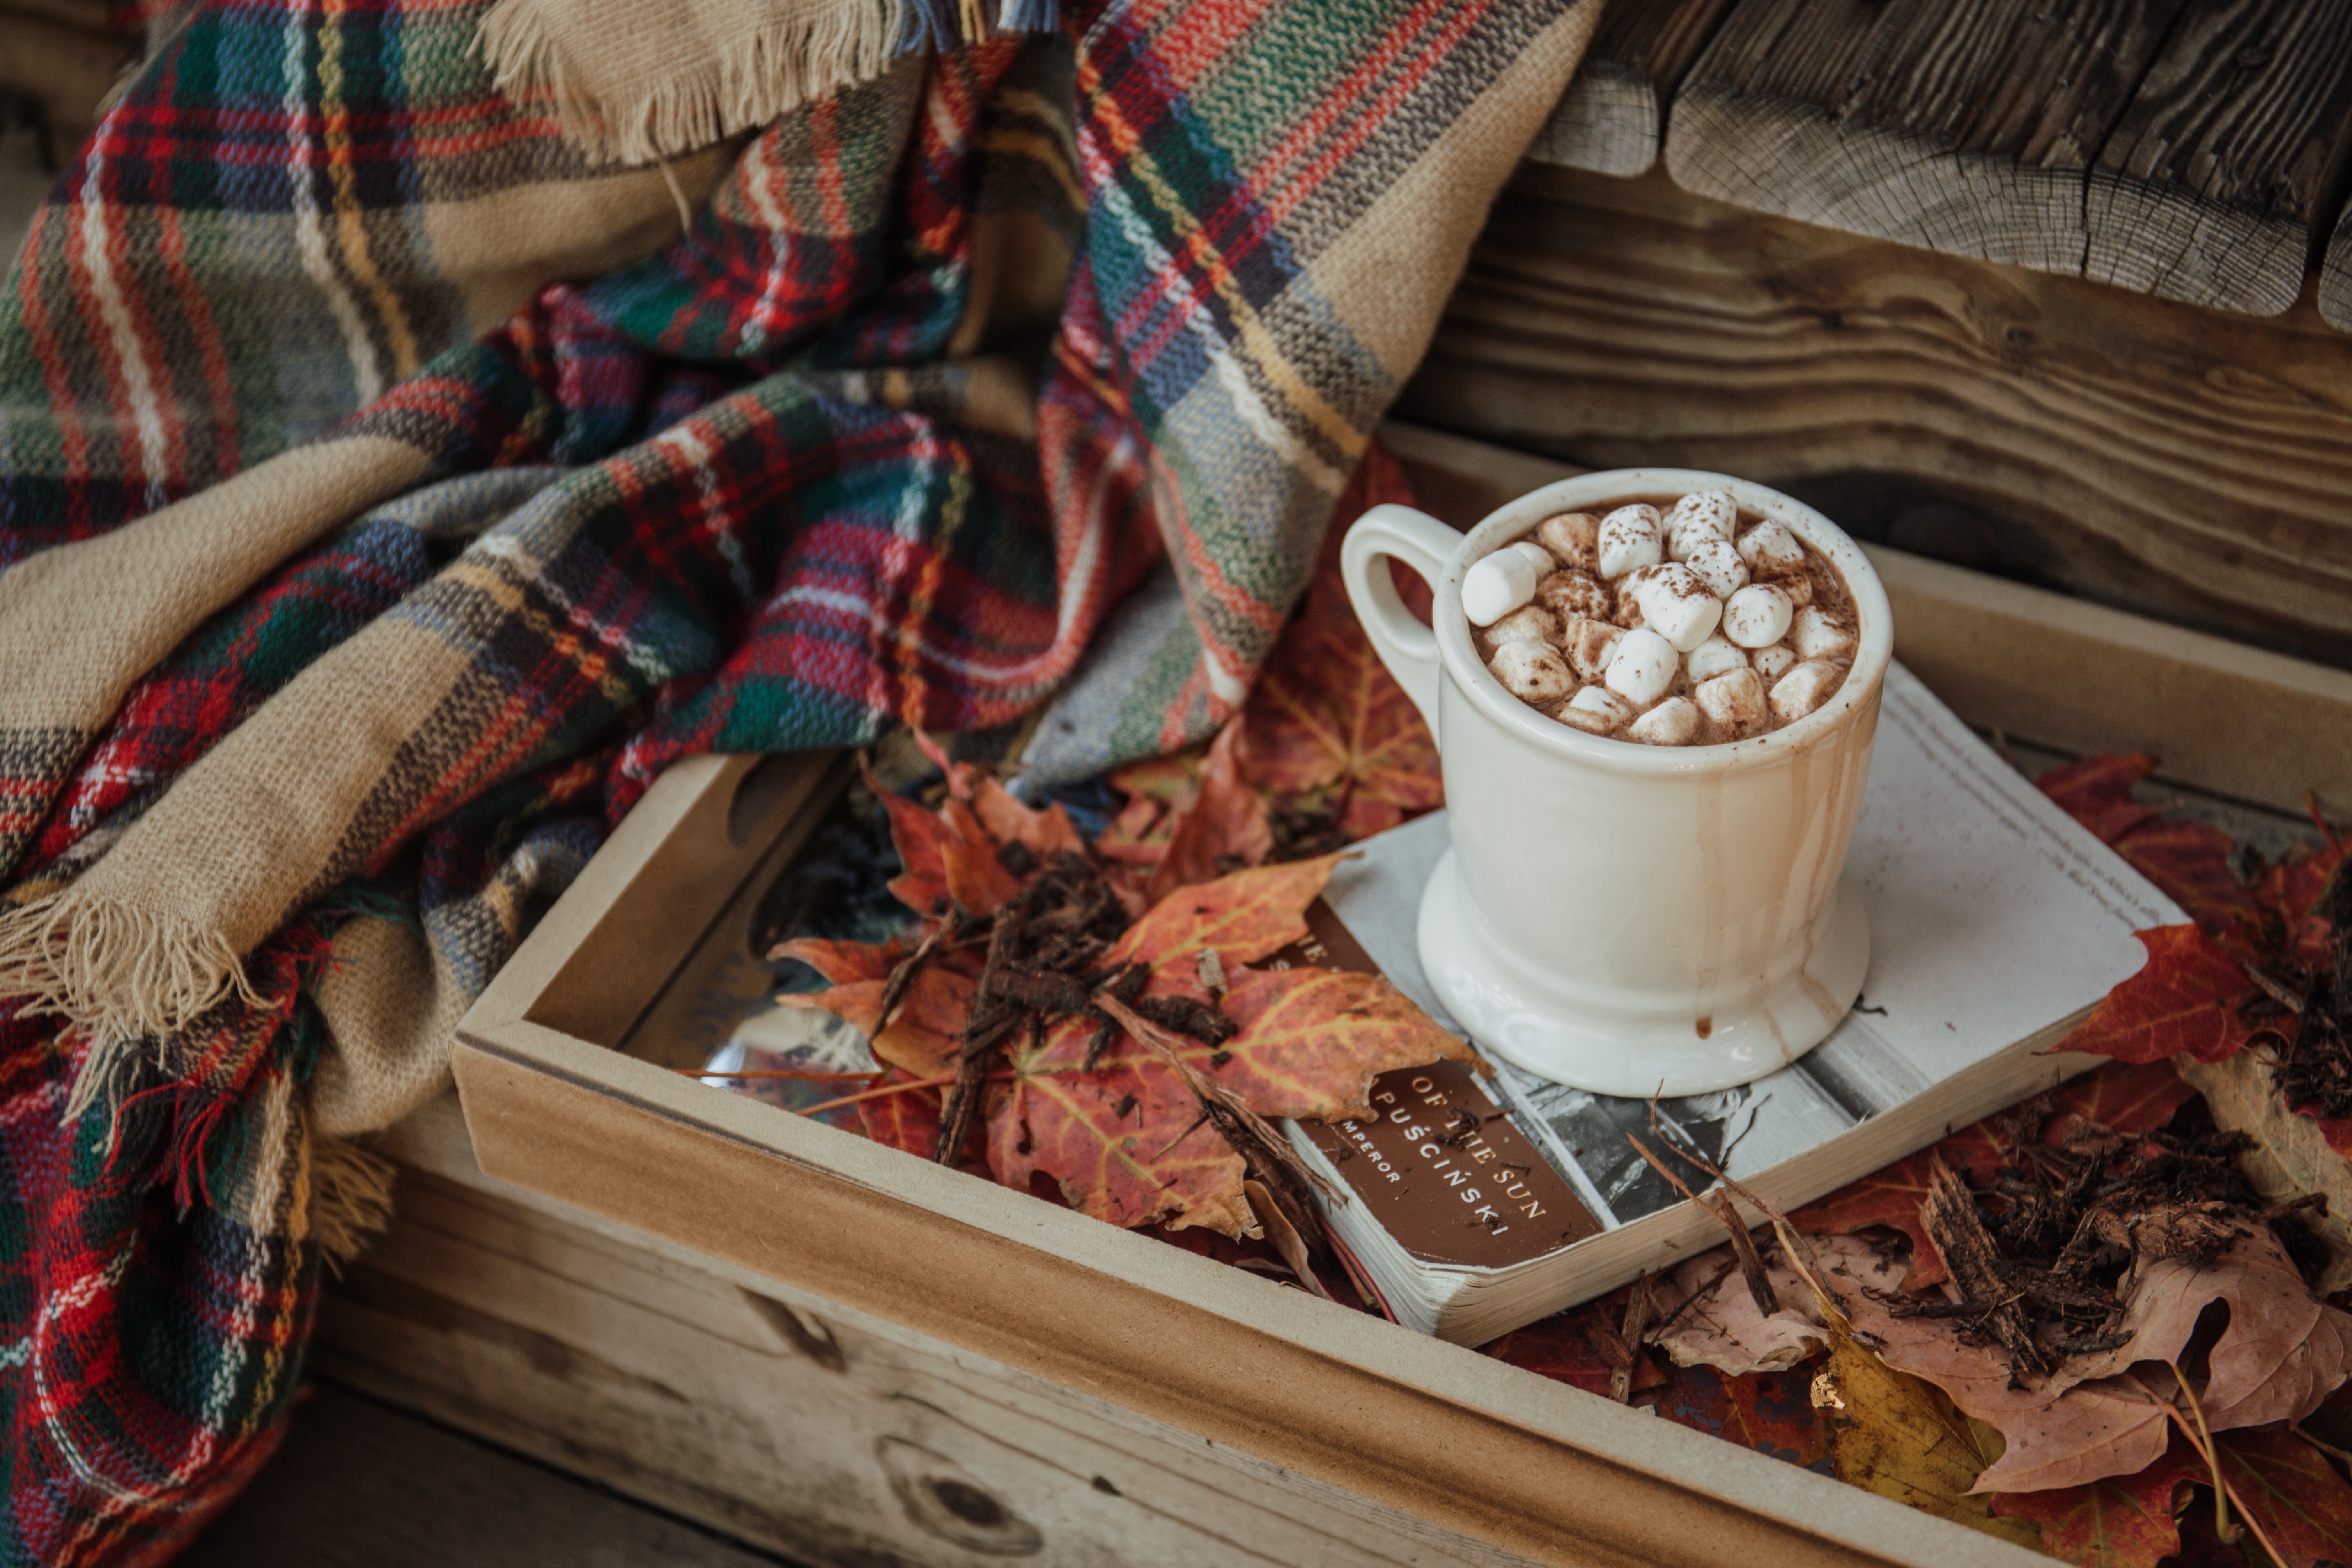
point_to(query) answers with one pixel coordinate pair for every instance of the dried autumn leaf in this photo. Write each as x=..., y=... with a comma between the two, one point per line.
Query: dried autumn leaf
x=1002, y=817
x=2283, y=1352
x=1903, y=1439
x=1563, y=1348
x=2182, y=1002
x=1225, y=821
x=2280, y=1352
x=1329, y=725
x=2297, y=1498
x=842, y=962
x=2127, y=1098
x=2187, y=859
x=2097, y=791
x=2117, y=1521
x=922, y=1040
x=1709, y=1317
x=1244, y=916
x=910, y=1122
x=1126, y=1142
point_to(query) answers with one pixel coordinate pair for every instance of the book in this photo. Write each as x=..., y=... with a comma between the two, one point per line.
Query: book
x=1480, y=1198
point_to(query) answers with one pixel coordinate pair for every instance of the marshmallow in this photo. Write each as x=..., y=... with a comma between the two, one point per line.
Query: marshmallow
x=1804, y=689
x=1799, y=587
x=1532, y=672
x=1573, y=537
x=1504, y=581
x=1674, y=722
x=1814, y=634
x=1770, y=549
x=1570, y=594
x=1528, y=623
x=1698, y=517
x=1629, y=538
x=1678, y=606
x=1773, y=662
x=1758, y=616
x=1733, y=704
x=1718, y=566
x=1643, y=668
x=1712, y=658
x=1590, y=646
x=1596, y=710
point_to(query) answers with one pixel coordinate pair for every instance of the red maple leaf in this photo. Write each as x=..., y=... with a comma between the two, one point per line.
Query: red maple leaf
x=2122, y=1521
x=2182, y=1002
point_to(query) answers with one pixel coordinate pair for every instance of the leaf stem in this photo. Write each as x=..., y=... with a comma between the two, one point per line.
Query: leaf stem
x=2212, y=1455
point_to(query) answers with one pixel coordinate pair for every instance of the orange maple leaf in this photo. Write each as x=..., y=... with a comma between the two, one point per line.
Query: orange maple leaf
x=1327, y=724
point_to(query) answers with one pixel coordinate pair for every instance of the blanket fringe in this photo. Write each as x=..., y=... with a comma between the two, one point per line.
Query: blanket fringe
x=350, y=1197
x=799, y=53
x=115, y=971
x=108, y=1074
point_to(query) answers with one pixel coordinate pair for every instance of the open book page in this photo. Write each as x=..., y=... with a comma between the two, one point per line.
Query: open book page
x=1993, y=917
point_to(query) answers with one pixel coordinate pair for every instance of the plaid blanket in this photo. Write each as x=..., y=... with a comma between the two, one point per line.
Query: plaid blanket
x=356, y=571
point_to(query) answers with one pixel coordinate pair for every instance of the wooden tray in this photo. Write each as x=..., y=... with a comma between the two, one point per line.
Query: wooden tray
x=852, y=1355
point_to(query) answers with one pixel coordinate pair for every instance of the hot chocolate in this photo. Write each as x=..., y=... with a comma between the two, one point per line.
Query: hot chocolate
x=1686, y=624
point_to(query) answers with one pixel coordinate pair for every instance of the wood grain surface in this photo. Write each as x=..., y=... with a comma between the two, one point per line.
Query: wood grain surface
x=1612, y=120
x=360, y=1484
x=2151, y=455
x=1964, y=128
x=784, y=1420
x=2227, y=165
x=2193, y=152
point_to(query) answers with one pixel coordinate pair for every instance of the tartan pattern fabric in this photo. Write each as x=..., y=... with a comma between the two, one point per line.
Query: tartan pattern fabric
x=951, y=361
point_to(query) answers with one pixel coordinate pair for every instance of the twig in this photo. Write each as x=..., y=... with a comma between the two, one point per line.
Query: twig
x=1637, y=1324
x=1759, y=1284
x=2273, y=989
x=1225, y=1104
x=878, y=1093
x=770, y=1072
x=1794, y=1246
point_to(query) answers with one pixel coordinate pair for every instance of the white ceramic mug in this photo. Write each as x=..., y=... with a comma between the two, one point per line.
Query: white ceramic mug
x=1629, y=918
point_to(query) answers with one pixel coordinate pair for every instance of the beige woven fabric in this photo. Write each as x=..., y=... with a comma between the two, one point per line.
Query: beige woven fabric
x=391, y=1008
x=640, y=79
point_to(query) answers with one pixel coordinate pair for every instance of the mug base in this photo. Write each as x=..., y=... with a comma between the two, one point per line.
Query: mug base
x=1548, y=1026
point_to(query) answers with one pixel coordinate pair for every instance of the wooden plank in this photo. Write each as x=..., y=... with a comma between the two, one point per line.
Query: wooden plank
x=359, y=1485
x=784, y=1418
x=2148, y=455
x=1611, y=119
x=2221, y=176
x=1965, y=127
x=2335, y=276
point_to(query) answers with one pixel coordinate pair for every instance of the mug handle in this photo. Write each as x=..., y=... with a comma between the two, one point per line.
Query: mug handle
x=1404, y=645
